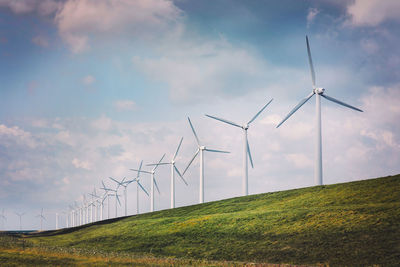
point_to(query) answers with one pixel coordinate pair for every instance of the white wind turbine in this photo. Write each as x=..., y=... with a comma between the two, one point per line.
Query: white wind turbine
x=153, y=182
x=246, y=147
x=3, y=219
x=77, y=214
x=41, y=216
x=138, y=184
x=124, y=184
x=116, y=197
x=96, y=200
x=20, y=219
x=173, y=170
x=200, y=150
x=317, y=91
x=107, y=193
x=71, y=215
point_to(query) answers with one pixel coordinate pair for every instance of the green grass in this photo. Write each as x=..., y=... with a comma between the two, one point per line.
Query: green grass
x=351, y=224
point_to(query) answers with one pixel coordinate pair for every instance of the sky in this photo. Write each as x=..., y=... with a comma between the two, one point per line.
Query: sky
x=90, y=88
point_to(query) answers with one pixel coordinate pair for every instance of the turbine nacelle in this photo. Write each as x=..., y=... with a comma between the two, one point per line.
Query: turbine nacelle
x=202, y=147
x=319, y=91
x=245, y=127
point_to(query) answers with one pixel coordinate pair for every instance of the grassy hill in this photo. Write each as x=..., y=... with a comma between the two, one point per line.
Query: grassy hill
x=355, y=223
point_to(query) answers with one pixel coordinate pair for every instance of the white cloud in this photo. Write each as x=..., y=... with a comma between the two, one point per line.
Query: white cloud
x=312, y=13
x=373, y=12
x=79, y=21
x=103, y=123
x=10, y=135
x=204, y=69
x=42, y=7
x=89, y=79
x=125, y=105
x=299, y=160
x=40, y=41
x=80, y=164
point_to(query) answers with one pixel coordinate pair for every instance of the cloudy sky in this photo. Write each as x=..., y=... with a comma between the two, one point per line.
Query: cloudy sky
x=90, y=88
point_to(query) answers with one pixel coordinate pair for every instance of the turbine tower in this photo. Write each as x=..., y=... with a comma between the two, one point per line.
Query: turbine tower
x=153, y=182
x=200, y=150
x=246, y=147
x=139, y=185
x=318, y=92
x=173, y=170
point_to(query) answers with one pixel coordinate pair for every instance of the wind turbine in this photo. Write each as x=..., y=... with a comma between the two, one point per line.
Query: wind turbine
x=246, y=147
x=20, y=219
x=318, y=92
x=116, y=197
x=3, y=219
x=173, y=170
x=153, y=182
x=106, y=191
x=41, y=216
x=124, y=184
x=200, y=150
x=102, y=204
x=139, y=185
x=96, y=200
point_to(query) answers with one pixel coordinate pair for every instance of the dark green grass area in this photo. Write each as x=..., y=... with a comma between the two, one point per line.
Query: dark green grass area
x=351, y=224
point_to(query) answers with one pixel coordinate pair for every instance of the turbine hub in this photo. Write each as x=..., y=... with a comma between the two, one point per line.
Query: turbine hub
x=202, y=147
x=245, y=127
x=319, y=91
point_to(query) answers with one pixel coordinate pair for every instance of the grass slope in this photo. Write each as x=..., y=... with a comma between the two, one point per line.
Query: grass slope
x=355, y=223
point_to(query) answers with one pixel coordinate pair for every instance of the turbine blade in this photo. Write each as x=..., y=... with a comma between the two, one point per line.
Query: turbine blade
x=159, y=162
x=114, y=180
x=143, y=188
x=176, y=152
x=155, y=183
x=311, y=63
x=296, y=108
x=223, y=120
x=180, y=175
x=340, y=102
x=140, y=171
x=214, y=150
x=116, y=195
x=162, y=163
x=255, y=116
x=194, y=132
x=140, y=167
x=195, y=155
x=248, y=151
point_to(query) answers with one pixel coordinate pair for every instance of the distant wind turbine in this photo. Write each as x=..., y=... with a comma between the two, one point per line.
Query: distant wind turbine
x=41, y=216
x=139, y=185
x=246, y=147
x=124, y=184
x=107, y=192
x=200, y=150
x=3, y=219
x=317, y=91
x=20, y=219
x=153, y=182
x=173, y=170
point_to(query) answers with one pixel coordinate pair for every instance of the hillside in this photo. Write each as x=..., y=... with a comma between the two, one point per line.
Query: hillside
x=356, y=223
